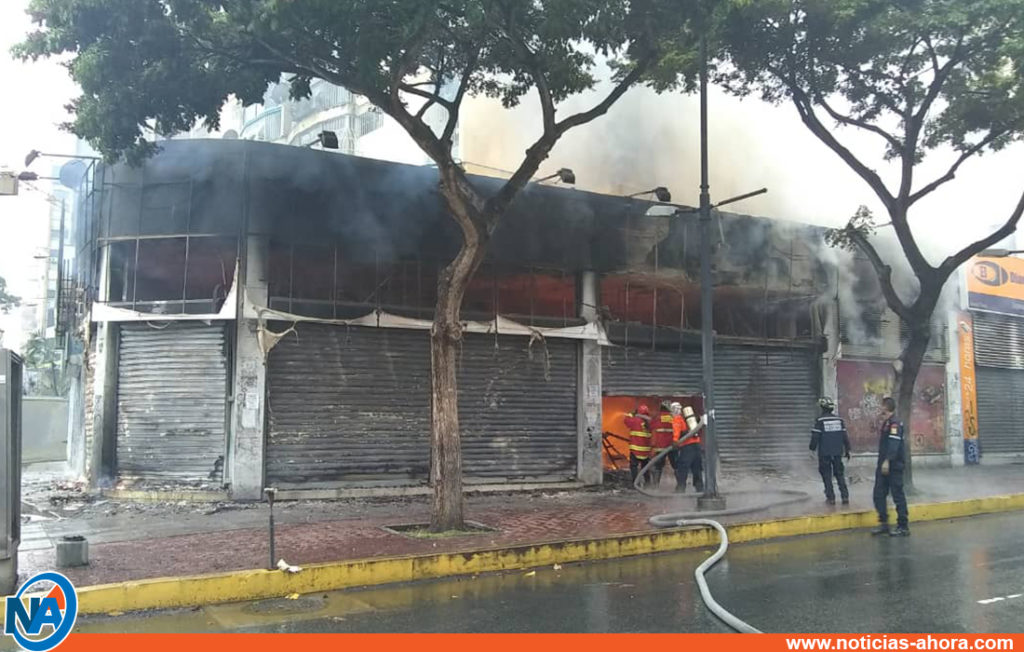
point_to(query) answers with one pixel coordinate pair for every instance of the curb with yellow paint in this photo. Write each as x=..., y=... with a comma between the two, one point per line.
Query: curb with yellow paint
x=238, y=586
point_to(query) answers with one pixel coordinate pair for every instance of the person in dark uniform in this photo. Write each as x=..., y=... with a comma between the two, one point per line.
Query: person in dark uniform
x=830, y=439
x=889, y=473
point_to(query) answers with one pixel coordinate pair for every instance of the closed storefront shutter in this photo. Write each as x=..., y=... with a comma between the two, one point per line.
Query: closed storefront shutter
x=517, y=408
x=171, y=402
x=348, y=404
x=999, y=361
x=764, y=397
x=765, y=403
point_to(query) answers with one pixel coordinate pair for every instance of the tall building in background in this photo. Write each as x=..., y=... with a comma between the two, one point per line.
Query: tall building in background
x=362, y=129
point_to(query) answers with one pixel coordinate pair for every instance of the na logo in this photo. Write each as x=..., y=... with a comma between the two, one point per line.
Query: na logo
x=38, y=624
x=990, y=273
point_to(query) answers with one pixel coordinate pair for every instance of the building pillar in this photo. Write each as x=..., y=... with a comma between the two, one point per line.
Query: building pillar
x=591, y=463
x=248, y=409
x=104, y=411
x=954, y=401
x=830, y=358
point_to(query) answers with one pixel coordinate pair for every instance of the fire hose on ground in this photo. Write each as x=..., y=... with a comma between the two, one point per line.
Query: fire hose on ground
x=685, y=519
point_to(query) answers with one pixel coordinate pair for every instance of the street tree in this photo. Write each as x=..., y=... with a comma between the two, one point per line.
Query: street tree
x=940, y=77
x=7, y=300
x=168, y=64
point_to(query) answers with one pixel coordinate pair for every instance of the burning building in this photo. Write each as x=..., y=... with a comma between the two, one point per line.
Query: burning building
x=259, y=316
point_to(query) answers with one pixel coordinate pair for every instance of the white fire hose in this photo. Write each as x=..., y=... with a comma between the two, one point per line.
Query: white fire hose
x=684, y=519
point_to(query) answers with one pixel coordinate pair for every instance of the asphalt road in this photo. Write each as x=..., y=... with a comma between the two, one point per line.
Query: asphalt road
x=946, y=577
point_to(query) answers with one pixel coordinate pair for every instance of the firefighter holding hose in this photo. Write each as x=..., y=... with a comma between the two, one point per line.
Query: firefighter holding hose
x=689, y=456
x=830, y=439
x=662, y=432
x=640, y=444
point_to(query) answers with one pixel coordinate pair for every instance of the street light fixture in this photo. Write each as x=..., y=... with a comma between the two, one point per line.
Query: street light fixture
x=34, y=154
x=565, y=175
x=661, y=193
x=32, y=176
x=999, y=253
x=326, y=139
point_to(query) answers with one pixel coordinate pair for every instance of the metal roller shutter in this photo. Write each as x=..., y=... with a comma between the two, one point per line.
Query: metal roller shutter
x=518, y=408
x=639, y=371
x=765, y=402
x=999, y=360
x=171, y=402
x=348, y=404
x=998, y=341
x=1000, y=410
x=765, y=398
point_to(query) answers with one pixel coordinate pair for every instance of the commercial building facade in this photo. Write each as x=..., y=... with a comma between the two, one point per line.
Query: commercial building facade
x=259, y=315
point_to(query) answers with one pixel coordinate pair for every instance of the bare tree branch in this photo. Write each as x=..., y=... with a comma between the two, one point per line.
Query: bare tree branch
x=602, y=107
x=951, y=263
x=892, y=298
x=805, y=107
x=456, y=105
x=547, y=103
x=857, y=122
x=951, y=172
x=539, y=151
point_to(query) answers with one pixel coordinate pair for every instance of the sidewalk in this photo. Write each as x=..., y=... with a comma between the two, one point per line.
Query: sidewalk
x=132, y=541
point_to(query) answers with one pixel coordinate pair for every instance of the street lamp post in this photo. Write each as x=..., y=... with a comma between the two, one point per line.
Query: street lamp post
x=999, y=253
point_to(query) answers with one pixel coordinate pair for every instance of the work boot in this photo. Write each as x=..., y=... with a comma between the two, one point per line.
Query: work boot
x=900, y=531
x=846, y=500
x=831, y=500
x=680, y=488
x=881, y=529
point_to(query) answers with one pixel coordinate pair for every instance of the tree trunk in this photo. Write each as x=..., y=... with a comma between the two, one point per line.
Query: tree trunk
x=445, y=339
x=906, y=377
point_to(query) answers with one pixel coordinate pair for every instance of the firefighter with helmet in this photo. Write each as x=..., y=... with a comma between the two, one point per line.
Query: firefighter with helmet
x=830, y=439
x=689, y=456
x=662, y=436
x=639, y=425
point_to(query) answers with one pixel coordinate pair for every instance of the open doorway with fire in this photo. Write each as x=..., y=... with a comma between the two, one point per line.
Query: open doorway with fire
x=615, y=433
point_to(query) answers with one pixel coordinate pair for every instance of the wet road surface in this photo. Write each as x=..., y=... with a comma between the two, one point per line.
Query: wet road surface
x=945, y=578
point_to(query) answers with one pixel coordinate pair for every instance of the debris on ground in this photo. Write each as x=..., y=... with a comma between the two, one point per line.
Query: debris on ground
x=285, y=567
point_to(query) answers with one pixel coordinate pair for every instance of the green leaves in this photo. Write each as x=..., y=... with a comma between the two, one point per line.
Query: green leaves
x=7, y=300
x=931, y=72
x=174, y=62
x=860, y=226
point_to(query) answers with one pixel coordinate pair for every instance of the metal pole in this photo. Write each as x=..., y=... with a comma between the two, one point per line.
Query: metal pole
x=60, y=273
x=710, y=499
x=270, y=499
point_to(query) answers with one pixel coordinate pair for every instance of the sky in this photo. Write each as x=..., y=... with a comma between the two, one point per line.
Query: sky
x=30, y=116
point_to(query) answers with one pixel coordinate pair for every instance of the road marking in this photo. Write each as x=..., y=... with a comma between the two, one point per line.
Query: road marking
x=1000, y=599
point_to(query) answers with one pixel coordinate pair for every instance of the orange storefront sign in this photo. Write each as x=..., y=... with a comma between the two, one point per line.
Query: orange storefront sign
x=968, y=386
x=996, y=285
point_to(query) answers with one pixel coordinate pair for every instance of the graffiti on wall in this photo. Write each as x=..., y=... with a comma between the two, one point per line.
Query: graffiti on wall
x=862, y=386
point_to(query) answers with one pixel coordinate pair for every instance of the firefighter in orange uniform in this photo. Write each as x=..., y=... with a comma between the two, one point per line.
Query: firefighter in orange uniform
x=688, y=457
x=639, y=425
x=662, y=431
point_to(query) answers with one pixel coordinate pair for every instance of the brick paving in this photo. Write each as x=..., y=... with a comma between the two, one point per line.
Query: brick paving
x=311, y=533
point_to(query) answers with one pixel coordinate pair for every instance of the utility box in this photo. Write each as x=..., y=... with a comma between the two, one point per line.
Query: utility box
x=10, y=469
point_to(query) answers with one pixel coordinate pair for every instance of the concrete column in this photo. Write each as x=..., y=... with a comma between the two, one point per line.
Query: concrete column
x=591, y=464
x=830, y=358
x=104, y=415
x=954, y=401
x=248, y=409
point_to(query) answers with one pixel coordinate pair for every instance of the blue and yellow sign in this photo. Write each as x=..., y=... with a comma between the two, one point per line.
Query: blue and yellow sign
x=996, y=285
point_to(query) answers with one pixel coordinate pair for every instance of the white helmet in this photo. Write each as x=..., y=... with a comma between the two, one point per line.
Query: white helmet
x=676, y=407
